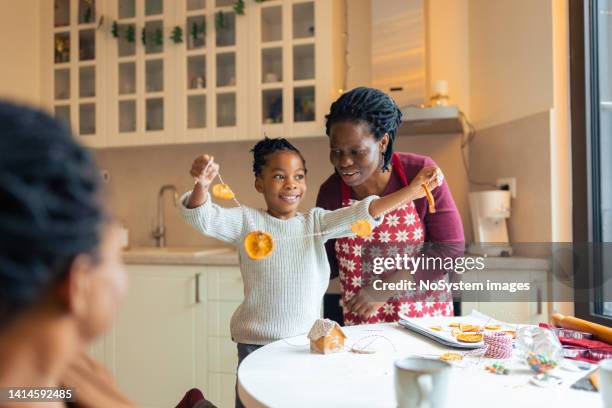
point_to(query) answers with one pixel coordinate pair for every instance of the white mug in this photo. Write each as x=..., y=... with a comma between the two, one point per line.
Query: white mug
x=421, y=382
x=605, y=382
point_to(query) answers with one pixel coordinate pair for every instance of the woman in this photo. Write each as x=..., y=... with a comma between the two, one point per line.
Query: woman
x=61, y=274
x=361, y=127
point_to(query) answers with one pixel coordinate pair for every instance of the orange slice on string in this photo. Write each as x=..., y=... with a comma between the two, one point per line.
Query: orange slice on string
x=470, y=337
x=451, y=357
x=430, y=199
x=362, y=228
x=258, y=245
x=222, y=191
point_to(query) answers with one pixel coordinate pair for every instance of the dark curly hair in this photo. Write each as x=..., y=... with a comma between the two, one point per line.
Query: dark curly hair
x=267, y=146
x=370, y=106
x=50, y=206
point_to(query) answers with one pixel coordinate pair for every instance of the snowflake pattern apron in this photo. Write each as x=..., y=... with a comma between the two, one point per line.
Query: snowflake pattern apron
x=401, y=232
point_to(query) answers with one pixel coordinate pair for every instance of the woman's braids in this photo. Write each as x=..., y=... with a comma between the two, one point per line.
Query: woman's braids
x=50, y=207
x=267, y=146
x=371, y=106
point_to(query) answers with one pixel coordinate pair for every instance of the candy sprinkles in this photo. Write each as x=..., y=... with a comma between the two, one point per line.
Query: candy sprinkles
x=260, y=244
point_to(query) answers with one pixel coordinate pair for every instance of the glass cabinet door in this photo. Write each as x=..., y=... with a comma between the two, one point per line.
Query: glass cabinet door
x=142, y=52
x=303, y=51
x=127, y=68
x=225, y=64
x=154, y=39
x=286, y=59
x=75, y=67
x=272, y=67
x=209, y=79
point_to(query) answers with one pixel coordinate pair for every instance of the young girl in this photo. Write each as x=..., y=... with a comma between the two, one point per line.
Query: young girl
x=282, y=292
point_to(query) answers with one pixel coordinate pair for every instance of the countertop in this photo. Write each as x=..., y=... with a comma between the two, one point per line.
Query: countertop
x=229, y=256
x=181, y=256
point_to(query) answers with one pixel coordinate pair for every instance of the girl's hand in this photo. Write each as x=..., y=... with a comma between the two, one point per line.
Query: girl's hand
x=429, y=175
x=204, y=170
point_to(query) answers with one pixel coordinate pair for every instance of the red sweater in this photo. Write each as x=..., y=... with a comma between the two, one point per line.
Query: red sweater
x=443, y=226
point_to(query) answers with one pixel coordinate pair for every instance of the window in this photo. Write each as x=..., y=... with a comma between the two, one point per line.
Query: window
x=591, y=90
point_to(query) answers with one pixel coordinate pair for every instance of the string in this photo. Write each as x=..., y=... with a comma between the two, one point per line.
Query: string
x=251, y=224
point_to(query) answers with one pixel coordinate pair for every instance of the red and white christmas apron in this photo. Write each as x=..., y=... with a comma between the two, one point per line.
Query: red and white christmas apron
x=401, y=232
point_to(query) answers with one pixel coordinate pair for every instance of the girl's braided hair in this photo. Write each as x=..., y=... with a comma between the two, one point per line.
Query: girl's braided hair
x=50, y=207
x=371, y=106
x=267, y=146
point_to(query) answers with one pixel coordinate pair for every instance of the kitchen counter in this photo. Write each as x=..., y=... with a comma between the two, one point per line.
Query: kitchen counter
x=181, y=256
x=229, y=256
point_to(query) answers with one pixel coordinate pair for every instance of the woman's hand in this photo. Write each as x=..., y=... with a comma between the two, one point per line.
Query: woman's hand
x=204, y=169
x=429, y=175
x=366, y=302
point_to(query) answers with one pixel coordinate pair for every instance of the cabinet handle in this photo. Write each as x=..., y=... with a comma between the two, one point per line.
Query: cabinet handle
x=539, y=300
x=197, y=287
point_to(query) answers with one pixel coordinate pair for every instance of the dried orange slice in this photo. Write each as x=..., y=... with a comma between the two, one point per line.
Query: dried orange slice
x=430, y=199
x=465, y=327
x=454, y=324
x=493, y=326
x=258, y=245
x=436, y=328
x=470, y=337
x=451, y=357
x=362, y=228
x=222, y=191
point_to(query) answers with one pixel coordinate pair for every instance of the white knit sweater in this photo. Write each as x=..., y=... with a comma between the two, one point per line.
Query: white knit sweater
x=282, y=293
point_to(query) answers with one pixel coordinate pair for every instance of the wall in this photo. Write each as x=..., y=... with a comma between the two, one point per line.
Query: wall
x=520, y=149
x=359, y=44
x=448, y=49
x=511, y=64
x=135, y=181
x=19, y=47
x=398, y=49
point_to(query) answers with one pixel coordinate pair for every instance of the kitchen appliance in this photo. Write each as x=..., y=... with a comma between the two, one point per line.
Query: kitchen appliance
x=489, y=211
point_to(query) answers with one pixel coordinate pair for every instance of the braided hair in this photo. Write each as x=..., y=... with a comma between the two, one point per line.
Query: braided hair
x=267, y=146
x=50, y=207
x=370, y=106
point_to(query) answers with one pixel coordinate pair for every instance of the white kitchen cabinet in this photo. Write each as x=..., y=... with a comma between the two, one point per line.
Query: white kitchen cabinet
x=528, y=312
x=298, y=65
x=73, y=67
x=172, y=334
x=274, y=70
x=157, y=347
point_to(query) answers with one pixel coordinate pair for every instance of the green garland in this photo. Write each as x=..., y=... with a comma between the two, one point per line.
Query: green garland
x=177, y=32
x=177, y=35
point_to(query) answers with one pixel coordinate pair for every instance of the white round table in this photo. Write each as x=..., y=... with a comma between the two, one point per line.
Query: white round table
x=286, y=374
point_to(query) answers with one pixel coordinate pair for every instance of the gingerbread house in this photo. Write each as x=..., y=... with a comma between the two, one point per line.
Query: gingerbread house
x=326, y=336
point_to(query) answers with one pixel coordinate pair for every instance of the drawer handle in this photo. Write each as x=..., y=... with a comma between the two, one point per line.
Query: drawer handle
x=197, y=287
x=539, y=300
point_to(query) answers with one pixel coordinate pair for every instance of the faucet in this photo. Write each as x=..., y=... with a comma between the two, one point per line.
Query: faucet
x=160, y=232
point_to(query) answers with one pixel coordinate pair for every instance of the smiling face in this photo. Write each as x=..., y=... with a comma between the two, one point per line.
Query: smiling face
x=355, y=152
x=283, y=183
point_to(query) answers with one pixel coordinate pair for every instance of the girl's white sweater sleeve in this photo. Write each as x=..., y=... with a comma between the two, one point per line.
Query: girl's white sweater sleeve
x=338, y=223
x=224, y=224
